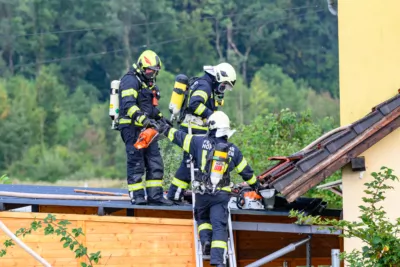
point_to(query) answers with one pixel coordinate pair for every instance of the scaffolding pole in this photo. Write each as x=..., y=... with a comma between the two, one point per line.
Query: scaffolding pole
x=27, y=249
x=335, y=253
x=308, y=251
x=278, y=253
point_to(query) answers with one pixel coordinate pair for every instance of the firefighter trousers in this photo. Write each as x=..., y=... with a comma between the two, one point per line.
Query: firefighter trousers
x=211, y=214
x=143, y=161
x=182, y=178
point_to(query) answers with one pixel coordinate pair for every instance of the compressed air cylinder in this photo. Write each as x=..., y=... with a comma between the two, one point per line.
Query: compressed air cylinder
x=178, y=94
x=114, y=102
x=218, y=164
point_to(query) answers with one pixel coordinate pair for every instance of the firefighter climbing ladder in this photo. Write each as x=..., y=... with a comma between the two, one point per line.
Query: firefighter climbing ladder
x=231, y=257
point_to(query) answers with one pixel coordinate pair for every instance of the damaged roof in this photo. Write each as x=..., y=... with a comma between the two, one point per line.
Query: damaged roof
x=294, y=175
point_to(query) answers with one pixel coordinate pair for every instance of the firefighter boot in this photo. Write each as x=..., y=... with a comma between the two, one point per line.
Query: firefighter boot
x=206, y=248
x=138, y=199
x=155, y=196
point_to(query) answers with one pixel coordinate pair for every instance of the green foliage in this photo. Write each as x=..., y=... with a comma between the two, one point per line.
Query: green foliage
x=275, y=134
x=59, y=58
x=379, y=234
x=68, y=238
x=4, y=179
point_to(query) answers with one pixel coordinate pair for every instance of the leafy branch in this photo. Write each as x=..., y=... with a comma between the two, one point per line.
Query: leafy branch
x=378, y=233
x=69, y=239
x=4, y=179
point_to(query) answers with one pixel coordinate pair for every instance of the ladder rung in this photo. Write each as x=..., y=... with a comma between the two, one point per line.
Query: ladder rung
x=206, y=257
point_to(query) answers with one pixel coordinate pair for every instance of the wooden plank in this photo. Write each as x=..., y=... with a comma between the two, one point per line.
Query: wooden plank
x=118, y=237
x=119, y=213
x=314, y=261
x=133, y=264
x=127, y=264
x=67, y=209
x=174, y=214
x=22, y=262
x=144, y=246
x=145, y=260
x=138, y=251
x=128, y=228
x=95, y=218
x=15, y=223
x=258, y=218
x=275, y=263
x=341, y=247
x=36, y=237
x=57, y=252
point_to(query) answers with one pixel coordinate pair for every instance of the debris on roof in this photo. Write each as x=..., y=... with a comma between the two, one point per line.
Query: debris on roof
x=334, y=187
x=294, y=175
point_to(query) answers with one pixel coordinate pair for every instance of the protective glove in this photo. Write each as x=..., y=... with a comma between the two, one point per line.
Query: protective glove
x=166, y=121
x=165, y=125
x=150, y=123
x=256, y=186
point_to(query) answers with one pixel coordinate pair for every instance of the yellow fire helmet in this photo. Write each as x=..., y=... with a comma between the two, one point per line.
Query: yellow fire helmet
x=149, y=64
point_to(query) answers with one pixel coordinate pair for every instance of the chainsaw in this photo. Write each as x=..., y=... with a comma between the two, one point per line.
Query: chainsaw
x=146, y=137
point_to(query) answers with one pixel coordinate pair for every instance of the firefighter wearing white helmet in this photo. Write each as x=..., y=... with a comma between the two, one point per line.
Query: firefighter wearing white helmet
x=204, y=96
x=214, y=158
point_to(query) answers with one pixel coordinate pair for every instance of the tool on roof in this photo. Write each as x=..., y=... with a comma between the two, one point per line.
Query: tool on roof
x=100, y=192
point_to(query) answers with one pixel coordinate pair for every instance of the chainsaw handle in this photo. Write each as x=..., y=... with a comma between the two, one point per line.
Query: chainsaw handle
x=240, y=198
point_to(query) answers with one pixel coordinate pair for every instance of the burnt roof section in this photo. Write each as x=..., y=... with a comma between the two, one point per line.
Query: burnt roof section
x=314, y=206
x=294, y=175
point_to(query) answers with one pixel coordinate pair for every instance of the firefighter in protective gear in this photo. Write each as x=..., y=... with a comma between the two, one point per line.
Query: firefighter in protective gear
x=138, y=98
x=211, y=208
x=205, y=95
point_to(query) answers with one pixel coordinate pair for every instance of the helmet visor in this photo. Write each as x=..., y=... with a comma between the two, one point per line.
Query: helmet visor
x=150, y=73
x=224, y=132
x=222, y=87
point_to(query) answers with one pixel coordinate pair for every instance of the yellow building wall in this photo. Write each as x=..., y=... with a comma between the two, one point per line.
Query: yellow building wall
x=369, y=71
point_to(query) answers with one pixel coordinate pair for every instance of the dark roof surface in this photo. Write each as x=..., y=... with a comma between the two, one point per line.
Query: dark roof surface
x=282, y=207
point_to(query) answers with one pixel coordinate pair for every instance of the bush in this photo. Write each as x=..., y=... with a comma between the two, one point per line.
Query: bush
x=380, y=235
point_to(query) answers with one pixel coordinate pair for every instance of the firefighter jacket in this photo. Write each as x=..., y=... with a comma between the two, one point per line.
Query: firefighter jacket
x=201, y=99
x=201, y=146
x=136, y=100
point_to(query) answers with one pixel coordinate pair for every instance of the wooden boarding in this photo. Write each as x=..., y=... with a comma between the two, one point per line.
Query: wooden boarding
x=153, y=238
x=123, y=241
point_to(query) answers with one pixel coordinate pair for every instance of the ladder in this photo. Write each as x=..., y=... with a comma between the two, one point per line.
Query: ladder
x=231, y=256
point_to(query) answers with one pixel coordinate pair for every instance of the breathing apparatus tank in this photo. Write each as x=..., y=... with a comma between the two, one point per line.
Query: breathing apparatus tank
x=114, y=103
x=178, y=95
x=219, y=164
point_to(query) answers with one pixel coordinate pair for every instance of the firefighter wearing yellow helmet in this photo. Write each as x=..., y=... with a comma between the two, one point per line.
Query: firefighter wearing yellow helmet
x=204, y=95
x=138, y=98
